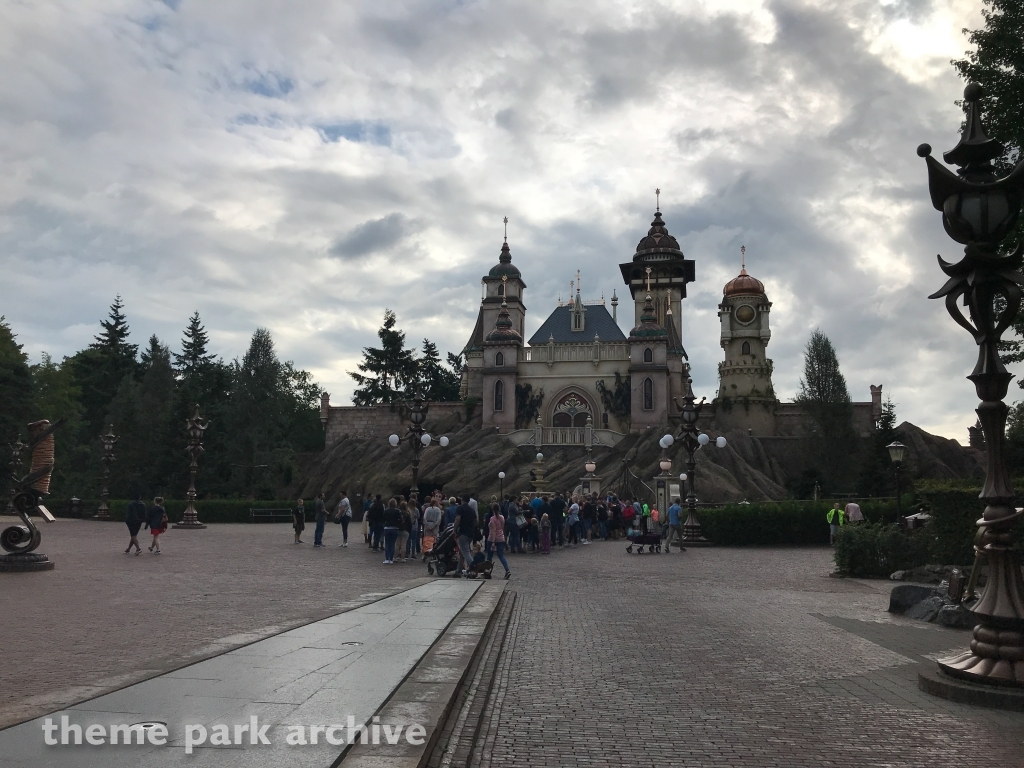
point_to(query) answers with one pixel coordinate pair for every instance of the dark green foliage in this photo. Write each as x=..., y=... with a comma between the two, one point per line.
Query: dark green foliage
x=436, y=382
x=786, y=523
x=15, y=396
x=877, y=475
x=876, y=551
x=997, y=63
x=210, y=510
x=527, y=406
x=955, y=513
x=825, y=398
x=100, y=369
x=390, y=370
x=617, y=400
x=142, y=416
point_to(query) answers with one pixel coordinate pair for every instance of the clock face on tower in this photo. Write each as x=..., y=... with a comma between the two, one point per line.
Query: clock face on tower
x=745, y=313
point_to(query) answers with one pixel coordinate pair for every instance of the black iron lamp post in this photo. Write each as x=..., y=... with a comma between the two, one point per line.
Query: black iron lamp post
x=501, y=481
x=979, y=210
x=108, y=458
x=693, y=441
x=897, y=452
x=417, y=437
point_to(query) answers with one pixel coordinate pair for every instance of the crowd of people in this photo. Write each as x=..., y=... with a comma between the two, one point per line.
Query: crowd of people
x=404, y=528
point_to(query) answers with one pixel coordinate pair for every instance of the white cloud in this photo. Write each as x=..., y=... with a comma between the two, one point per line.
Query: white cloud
x=303, y=166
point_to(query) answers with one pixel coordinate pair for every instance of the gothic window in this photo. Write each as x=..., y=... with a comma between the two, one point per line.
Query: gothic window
x=604, y=420
x=501, y=289
x=746, y=348
x=499, y=395
x=648, y=355
x=648, y=395
x=499, y=359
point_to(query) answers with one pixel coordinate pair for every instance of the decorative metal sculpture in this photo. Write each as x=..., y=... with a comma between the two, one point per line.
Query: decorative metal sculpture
x=21, y=541
x=196, y=428
x=979, y=210
x=17, y=447
x=108, y=458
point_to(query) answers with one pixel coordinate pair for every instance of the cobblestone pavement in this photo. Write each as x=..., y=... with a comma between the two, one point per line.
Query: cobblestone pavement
x=716, y=657
x=102, y=619
x=721, y=657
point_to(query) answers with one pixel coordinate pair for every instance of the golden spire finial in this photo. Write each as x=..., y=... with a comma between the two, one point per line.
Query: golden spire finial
x=657, y=199
x=648, y=280
x=506, y=229
x=743, y=258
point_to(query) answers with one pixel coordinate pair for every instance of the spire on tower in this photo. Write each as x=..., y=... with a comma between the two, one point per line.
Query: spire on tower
x=657, y=199
x=506, y=229
x=743, y=257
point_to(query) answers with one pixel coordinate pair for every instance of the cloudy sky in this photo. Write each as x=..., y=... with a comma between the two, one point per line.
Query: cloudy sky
x=303, y=165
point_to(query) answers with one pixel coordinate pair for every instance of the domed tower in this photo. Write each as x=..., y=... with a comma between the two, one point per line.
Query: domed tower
x=500, y=356
x=746, y=397
x=659, y=258
x=503, y=296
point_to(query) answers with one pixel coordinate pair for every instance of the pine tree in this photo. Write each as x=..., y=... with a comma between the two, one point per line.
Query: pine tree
x=434, y=381
x=826, y=400
x=15, y=392
x=113, y=339
x=392, y=368
x=100, y=369
x=194, y=358
x=877, y=477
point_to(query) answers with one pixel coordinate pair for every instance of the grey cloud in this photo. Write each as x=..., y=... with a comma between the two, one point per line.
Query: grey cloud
x=374, y=236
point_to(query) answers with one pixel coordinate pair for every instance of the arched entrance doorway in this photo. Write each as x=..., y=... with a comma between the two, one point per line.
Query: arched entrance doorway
x=571, y=410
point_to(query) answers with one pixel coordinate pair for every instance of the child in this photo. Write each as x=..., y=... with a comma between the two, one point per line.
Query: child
x=156, y=519
x=545, y=534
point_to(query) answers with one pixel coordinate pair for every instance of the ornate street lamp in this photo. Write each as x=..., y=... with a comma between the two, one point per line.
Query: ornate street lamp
x=196, y=428
x=108, y=458
x=897, y=452
x=979, y=210
x=418, y=439
x=693, y=441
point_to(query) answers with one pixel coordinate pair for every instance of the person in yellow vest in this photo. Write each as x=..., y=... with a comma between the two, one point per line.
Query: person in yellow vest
x=835, y=518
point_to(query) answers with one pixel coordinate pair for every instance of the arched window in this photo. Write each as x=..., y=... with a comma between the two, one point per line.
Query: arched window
x=648, y=355
x=501, y=289
x=499, y=395
x=746, y=348
x=648, y=395
x=499, y=359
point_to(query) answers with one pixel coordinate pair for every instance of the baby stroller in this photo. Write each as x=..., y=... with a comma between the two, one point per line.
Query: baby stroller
x=444, y=556
x=643, y=536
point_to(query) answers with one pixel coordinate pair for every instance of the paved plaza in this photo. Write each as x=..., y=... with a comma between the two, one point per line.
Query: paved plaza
x=715, y=657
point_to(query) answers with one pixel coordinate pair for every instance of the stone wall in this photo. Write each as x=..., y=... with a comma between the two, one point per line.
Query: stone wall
x=380, y=420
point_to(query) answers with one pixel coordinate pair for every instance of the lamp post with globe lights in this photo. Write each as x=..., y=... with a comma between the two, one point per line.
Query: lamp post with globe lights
x=897, y=452
x=693, y=441
x=590, y=483
x=501, y=481
x=417, y=437
x=979, y=210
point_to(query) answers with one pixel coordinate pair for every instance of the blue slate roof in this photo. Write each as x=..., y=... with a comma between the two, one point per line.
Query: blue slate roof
x=559, y=324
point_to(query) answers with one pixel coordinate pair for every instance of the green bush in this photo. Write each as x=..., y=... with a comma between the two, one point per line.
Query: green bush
x=210, y=511
x=785, y=523
x=875, y=551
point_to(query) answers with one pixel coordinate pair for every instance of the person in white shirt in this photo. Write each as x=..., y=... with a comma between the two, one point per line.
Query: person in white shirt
x=343, y=515
x=853, y=513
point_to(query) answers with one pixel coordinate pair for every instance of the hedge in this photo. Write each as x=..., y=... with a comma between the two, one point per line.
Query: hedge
x=875, y=550
x=210, y=510
x=785, y=523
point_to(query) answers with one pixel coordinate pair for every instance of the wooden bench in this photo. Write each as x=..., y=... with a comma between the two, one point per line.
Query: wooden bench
x=268, y=514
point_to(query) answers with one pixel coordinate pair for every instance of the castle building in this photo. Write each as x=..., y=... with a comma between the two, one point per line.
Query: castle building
x=566, y=384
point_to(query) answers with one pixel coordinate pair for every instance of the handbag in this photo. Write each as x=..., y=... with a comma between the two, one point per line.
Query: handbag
x=520, y=520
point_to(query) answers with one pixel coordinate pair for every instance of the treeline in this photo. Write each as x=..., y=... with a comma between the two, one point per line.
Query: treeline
x=261, y=412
